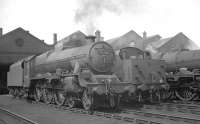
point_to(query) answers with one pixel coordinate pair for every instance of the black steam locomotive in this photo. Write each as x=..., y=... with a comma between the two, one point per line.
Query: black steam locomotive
x=72, y=76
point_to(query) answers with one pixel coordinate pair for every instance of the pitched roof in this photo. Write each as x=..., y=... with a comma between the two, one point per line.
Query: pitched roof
x=153, y=36
x=159, y=43
x=75, y=39
x=73, y=35
x=171, y=44
x=125, y=40
x=18, y=44
x=19, y=29
x=151, y=39
x=178, y=42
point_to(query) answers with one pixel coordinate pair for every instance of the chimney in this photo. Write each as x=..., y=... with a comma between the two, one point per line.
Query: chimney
x=144, y=35
x=1, y=32
x=54, y=38
x=98, y=36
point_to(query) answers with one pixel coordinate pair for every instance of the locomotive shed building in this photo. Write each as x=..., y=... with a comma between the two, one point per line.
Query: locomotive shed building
x=155, y=44
x=14, y=46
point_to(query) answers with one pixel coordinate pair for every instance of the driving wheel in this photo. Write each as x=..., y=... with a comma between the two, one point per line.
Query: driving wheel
x=185, y=94
x=37, y=94
x=59, y=98
x=87, y=101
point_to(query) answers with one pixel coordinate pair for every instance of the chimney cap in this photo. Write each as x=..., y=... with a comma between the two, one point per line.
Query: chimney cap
x=97, y=31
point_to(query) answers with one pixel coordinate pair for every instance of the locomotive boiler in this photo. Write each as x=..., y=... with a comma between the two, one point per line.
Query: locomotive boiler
x=147, y=75
x=80, y=75
x=98, y=57
x=183, y=74
x=182, y=59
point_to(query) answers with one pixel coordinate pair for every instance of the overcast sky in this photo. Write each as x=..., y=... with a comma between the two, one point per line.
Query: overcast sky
x=112, y=17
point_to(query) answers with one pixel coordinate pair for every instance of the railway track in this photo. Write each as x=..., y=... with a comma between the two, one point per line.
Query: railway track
x=189, y=104
x=173, y=117
x=170, y=107
x=185, y=107
x=132, y=116
x=8, y=117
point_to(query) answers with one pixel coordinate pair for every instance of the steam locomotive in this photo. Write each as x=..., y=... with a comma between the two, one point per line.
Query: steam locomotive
x=183, y=74
x=146, y=74
x=72, y=76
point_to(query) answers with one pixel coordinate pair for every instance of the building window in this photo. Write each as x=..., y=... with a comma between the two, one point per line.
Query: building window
x=19, y=42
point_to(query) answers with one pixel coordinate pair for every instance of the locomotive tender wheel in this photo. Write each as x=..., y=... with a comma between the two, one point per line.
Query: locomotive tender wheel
x=172, y=93
x=11, y=92
x=71, y=102
x=156, y=95
x=16, y=92
x=144, y=96
x=185, y=94
x=25, y=95
x=37, y=94
x=114, y=101
x=59, y=98
x=196, y=97
x=21, y=93
x=47, y=96
x=87, y=101
x=165, y=94
x=140, y=96
x=152, y=96
x=168, y=94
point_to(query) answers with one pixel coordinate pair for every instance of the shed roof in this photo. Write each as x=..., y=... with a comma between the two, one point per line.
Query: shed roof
x=19, y=29
x=125, y=40
x=75, y=39
x=18, y=44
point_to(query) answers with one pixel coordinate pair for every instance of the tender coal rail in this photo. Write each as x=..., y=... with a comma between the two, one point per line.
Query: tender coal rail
x=8, y=117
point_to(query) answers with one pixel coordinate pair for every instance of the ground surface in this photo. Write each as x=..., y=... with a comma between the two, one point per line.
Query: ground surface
x=48, y=115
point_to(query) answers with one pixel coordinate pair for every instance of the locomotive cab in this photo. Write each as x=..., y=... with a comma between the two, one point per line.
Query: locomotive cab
x=146, y=74
x=130, y=52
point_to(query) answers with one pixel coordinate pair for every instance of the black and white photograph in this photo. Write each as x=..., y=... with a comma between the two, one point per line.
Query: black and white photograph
x=99, y=62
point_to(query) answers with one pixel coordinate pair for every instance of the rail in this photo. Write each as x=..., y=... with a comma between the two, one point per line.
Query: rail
x=8, y=117
x=131, y=116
